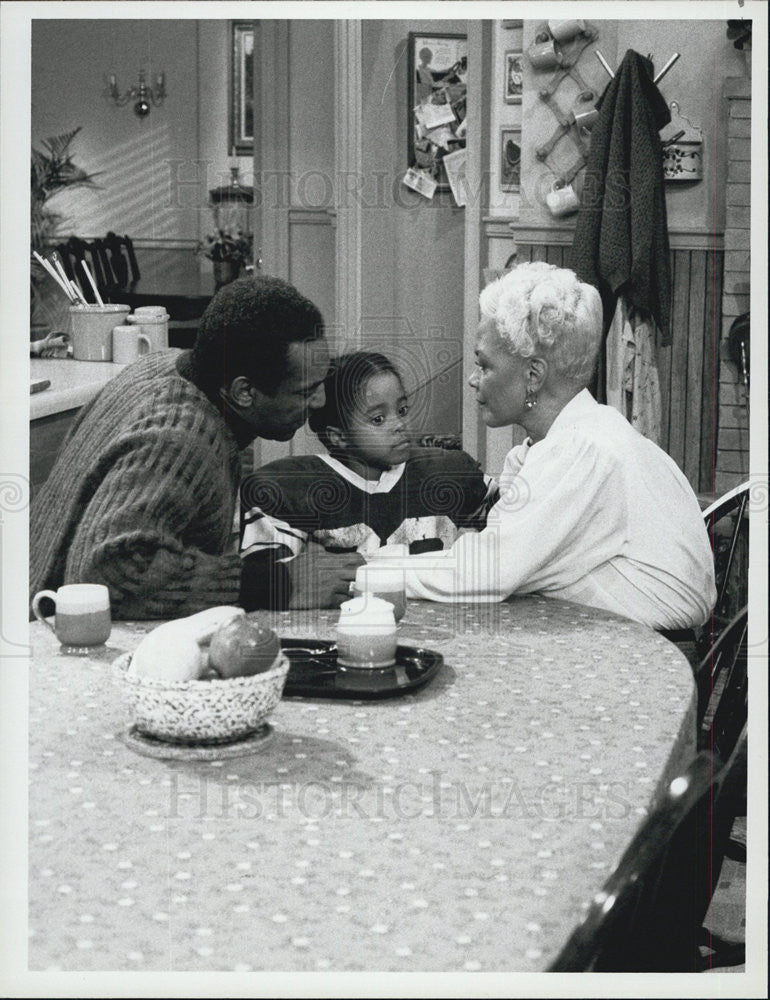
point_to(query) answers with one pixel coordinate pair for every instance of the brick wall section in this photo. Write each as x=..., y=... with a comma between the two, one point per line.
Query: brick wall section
x=732, y=466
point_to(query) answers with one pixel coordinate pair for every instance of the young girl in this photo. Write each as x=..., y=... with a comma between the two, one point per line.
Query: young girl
x=372, y=488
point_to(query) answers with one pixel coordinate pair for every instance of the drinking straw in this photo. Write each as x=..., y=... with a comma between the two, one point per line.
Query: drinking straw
x=54, y=274
x=99, y=299
x=79, y=300
x=62, y=273
x=79, y=288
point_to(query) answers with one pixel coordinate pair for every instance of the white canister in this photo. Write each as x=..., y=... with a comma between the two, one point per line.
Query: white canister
x=366, y=633
x=154, y=323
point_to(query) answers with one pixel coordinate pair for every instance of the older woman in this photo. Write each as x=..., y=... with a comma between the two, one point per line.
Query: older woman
x=589, y=510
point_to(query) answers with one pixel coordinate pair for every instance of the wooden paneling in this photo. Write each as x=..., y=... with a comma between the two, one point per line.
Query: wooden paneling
x=687, y=369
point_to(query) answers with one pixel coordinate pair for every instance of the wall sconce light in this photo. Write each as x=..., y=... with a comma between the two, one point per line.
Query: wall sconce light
x=141, y=94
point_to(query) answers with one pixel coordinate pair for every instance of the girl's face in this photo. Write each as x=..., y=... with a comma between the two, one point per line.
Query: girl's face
x=377, y=435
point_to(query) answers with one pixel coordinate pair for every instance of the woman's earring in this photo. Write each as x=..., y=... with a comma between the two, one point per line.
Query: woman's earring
x=530, y=400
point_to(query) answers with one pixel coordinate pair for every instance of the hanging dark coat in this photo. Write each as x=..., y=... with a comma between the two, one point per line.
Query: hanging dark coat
x=621, y=236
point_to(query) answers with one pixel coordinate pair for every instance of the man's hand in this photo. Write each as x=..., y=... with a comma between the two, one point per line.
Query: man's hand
x=321, y=579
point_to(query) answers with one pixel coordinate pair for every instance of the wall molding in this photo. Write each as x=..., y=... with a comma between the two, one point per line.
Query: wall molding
x=271, y=150
x=679, y=239
x=140, y=242
x=312, y=217
x=348, y=156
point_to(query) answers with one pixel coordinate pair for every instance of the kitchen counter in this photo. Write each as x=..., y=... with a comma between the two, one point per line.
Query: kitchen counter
x=73, y=384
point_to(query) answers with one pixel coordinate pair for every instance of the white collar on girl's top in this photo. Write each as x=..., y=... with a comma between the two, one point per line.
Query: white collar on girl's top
x=384, y=484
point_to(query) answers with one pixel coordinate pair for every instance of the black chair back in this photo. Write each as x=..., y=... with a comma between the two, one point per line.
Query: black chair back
x=728, y=529
x=722, y=683
x=95, y=255
x=123, y=260
x=649, y=915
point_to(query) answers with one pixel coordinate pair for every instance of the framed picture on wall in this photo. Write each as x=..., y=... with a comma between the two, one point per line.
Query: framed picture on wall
x=242, y=88
x=438, y=71
x=513, y=78
x=510, y=159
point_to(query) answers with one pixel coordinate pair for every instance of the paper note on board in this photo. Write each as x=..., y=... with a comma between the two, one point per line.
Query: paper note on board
x=454, y=164
x=433, y=115
x=441, y=136
x=420, y=182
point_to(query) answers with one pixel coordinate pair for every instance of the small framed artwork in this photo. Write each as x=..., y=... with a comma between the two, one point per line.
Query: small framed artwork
x=510, y=159
x=513, y=77
x=242, y=88
x=437, y=91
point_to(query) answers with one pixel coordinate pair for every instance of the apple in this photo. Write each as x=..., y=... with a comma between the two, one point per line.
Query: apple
x=242, y=647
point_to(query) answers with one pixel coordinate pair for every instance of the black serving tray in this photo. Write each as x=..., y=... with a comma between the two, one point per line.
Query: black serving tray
x=315, y=673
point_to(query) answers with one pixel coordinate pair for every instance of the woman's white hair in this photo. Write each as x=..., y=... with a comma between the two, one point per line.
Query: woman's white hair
x=541, y=309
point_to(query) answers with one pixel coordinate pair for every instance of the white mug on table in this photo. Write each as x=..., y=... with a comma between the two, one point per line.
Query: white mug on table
x=82, y=614
x=127, y=342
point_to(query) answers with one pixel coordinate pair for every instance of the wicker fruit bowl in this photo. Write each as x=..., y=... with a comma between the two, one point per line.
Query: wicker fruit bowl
x=219, y=710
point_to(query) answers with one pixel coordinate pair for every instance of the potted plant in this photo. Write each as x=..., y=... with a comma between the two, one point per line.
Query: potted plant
x=52, y=171
x=228, y=253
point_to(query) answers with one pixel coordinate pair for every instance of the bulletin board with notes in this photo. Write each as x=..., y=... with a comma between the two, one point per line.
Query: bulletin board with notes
x=438, y=70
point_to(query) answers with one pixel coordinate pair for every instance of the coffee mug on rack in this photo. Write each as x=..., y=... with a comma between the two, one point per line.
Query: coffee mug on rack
x=562, y=200
x=127, y=343
x=584, y=109
x=543, y=53
x=82, y=615
x=565, y=31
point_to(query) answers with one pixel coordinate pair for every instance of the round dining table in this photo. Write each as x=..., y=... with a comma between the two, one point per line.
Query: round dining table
x=461, y=826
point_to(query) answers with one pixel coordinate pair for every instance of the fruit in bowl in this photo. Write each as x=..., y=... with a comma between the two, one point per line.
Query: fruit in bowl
x=242, y=647
x=210, y=678
x=175, y=651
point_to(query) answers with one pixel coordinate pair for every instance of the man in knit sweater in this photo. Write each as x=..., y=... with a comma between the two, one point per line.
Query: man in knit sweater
x=143, y=492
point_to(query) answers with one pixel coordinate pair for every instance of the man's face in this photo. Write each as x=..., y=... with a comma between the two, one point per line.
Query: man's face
x=279, y=416
x=499, y=378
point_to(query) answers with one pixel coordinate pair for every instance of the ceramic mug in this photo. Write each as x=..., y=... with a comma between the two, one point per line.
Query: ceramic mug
x=543, y=54
x=562, y=201
x=126, y=344
x=82, y=614
x=91, y=328
x=584, y=110
x=153, y=321
x=565, y=31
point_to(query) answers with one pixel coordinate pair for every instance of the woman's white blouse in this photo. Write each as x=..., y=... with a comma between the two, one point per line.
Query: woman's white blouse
x=593, y=513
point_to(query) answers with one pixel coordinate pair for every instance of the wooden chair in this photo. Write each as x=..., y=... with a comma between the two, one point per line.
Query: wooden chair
x=649, y=915
x=727, y=525
x=95, y=255
x=124, y=264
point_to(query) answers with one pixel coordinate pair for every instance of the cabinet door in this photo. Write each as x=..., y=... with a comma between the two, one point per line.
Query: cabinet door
x=46, y=436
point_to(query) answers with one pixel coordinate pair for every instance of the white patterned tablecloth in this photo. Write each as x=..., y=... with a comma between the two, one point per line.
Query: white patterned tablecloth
x=460, y=827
